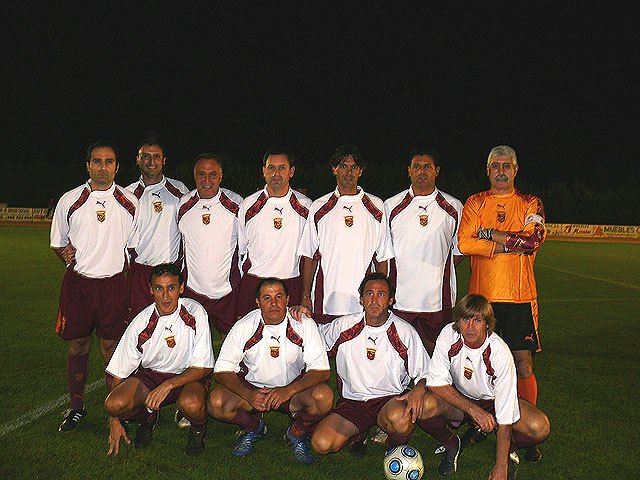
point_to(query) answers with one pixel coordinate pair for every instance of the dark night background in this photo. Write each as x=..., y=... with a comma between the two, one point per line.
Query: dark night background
x=559, y=84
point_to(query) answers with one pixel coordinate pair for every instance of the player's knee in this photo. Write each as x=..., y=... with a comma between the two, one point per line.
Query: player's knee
x=190, y=405
x=114, y=405
x=215, y=404
x=80, y=346
x=323, y=399
x=395, y=421
x=541, y=427
x=323, y=443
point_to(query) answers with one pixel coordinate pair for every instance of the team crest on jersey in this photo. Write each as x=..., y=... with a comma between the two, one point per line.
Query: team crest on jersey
x=171, y=341
x=206, y=218
x=348, y=220
x=101, y=215
x=502, y=216
x=371, y=353
x=424, y=220
x=157, y=206
x=468, y=373
x=275, y=351
x=277, y=223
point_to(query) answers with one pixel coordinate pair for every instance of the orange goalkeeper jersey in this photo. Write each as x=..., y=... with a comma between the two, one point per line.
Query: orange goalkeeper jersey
x=503, y=277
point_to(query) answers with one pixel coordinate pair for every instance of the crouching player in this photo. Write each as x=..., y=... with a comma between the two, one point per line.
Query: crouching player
x=270, y=362
x=377, y=356
x=165, y=356
x=472, y=377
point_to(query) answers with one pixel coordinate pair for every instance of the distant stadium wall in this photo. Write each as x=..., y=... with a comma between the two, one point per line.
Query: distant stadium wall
x=18, y=214
x=581, y=231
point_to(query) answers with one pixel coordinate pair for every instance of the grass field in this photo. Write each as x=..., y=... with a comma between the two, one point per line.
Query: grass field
x=588, y=376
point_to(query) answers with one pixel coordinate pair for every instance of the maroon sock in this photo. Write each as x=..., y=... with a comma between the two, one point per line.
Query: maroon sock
x=77, y=368
x=393, y=440
x=521, y=440
x=302, y=421
x=437, y=428
x=199, y=426
x=246, y=420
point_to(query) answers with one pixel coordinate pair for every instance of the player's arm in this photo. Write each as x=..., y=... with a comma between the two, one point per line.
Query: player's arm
x=66, y=254
x=116, y=430
x=309, y=267
x=382, y=267
x=231, y=381
x=503, y=441
x=415, y=400
x=449, y=394
x=157, y=395
x=279, y=395
x=469, y=243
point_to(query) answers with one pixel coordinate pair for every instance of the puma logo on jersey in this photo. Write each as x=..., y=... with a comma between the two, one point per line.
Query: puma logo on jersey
x=529, y=338
x=169, y=328
x=156, y=194
x=374, y=340
x=98, y=202
x=348, y=208
x=503, y=206
x=420, y=207
x=277, y=339
x=206, y=207
x=278, y=209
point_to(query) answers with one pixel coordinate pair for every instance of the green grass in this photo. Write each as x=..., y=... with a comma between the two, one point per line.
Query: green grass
x=587, y=373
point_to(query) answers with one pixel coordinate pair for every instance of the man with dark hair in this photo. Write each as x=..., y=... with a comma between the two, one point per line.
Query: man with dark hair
x=208, y=221
x=92, y=227
x=165, y=356
x=502, y=229
x=377, y=356
x=159, y=240
x=472, y=377
x=346, y=233
x=270, y=226
x=270, y=362
x=423, y=222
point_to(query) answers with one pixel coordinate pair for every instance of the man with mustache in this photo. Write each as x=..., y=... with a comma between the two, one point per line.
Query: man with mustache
x=502, y=229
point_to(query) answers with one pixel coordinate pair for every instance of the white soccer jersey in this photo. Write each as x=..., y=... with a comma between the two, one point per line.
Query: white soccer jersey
x=209, y=230
x=100, y=224
x=269, y=233
x=166, y=344
x=345, y=233
x=424, y=234
x=272, y=355
x=374, y=362
x=159, y=240
x=484, y=373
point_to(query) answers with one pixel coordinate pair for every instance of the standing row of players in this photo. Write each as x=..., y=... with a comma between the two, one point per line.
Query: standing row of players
x=413, y=236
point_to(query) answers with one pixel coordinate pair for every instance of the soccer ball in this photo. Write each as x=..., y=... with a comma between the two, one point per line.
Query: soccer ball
x=403, y=462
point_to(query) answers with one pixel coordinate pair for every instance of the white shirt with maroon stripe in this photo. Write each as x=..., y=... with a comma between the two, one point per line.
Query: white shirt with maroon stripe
x=166, y=344
x=159, y=240
x=269, y=233
x=484, y=373
x=373, y=362
x=424, y=234
x=209, y=230
x=272, y=355
x=100, y=224
x=345, y=233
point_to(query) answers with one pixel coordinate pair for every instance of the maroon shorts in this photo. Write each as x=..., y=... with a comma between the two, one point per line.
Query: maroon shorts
x=428, y=324
x=88, y=304
x=222, y=312
x=152, y=379
x=363, y=414
x=247, y=292
x=139, y=288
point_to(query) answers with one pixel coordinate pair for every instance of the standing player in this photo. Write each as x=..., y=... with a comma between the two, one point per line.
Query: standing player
x=92, y=227
x=208, y=221
x=271, y=362
x=164, y=356
x=423, y=222
x=346, y=232
x=472, y=377
x=377, y=355
x=502, y=229
x=159, y=240
x=270, y=226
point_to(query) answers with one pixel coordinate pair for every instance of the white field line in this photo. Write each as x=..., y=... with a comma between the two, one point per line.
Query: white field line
x=590, y=277
x=27, y=418
x=587, y=299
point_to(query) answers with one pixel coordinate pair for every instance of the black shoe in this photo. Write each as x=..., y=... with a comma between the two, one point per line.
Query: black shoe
x=144, y=434
x=472, y=436
x=195, y=445
x=512, y=470
x=532, y=454
x=449, y=462
x=359, y=448
x=72, y=418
